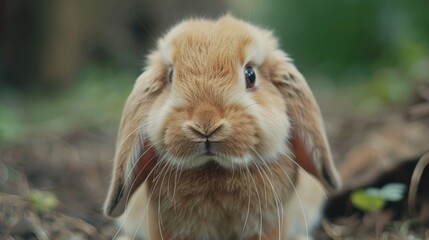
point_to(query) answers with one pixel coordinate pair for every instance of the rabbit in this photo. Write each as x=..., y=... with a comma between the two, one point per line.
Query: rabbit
x=220, y=138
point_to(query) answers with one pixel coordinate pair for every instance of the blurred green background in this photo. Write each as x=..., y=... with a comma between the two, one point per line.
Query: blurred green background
x=69, y=64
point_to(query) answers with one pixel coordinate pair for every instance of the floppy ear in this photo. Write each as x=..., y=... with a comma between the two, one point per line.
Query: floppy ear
x=135, y=156
x=308, y=138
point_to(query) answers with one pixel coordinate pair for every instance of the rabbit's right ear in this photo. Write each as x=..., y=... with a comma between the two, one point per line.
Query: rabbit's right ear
x=308, y=139
x=135, y=156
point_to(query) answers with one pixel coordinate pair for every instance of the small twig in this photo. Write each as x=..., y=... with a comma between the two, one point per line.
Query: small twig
x=331, y=230
x=414, y=184
x=36, y=225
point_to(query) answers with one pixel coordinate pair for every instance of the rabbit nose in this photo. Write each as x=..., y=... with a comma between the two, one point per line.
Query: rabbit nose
x=205, y=132
x=207, y=137
x=206, y=120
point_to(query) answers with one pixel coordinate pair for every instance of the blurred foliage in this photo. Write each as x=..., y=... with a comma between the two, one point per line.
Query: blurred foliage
x=369, y=53
x=350, y=38
x=97, y=99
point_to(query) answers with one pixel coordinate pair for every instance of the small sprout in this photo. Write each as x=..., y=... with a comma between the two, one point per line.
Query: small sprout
x=366, y=202
x=43, y=200
x=374, y=199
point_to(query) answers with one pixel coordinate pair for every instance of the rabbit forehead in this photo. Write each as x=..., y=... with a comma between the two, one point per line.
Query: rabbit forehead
x=203, y=46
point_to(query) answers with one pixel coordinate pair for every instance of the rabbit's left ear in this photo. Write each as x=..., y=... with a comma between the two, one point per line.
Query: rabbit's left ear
x=135, y=156
x=308, y=138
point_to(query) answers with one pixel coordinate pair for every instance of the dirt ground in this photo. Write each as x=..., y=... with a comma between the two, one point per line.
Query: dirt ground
x=76, y=169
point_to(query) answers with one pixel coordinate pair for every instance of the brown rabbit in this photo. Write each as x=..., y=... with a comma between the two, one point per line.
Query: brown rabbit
x=215, y=137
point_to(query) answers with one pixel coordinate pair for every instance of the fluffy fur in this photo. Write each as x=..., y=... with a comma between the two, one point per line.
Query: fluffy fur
x=199, y=156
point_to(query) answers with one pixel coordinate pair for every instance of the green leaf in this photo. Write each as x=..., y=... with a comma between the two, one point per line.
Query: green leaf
x=393, y=192
x=366, y=202
x=43, y=200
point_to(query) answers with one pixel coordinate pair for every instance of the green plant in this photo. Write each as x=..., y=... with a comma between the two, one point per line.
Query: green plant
x=43, y=200
x=372, y=200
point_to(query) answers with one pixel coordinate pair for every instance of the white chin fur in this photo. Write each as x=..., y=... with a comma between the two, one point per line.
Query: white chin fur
x=195, y=162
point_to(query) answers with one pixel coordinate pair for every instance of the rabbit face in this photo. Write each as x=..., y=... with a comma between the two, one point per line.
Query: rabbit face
x=217, y=104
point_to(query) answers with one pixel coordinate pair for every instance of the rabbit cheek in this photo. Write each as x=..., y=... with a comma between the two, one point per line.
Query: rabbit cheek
x=244, y=135
x=157, y=120
x=273, y=123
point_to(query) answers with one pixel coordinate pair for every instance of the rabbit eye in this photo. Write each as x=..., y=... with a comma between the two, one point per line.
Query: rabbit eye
x=170, y=75
x=250, y=76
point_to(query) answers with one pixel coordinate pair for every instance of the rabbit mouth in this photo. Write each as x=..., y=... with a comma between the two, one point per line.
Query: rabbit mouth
x=217, y=160
x=206, y=158
x=209, y=154
x=212, y=164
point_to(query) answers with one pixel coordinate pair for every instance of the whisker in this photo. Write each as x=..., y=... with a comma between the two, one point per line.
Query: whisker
x=126, y=138
x=299, y=199
x=145, y=28
x=276, y=196
x=176, y=177
x=248, y=106
x=259, y=200
x=150, y=197
x=260, y=170
x=312, y=178
x=248, y=199
x=130, y=172
x=126, y=214
x=132, y=184
x=160, y=222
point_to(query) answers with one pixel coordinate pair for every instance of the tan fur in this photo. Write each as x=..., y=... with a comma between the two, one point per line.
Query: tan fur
x=257, y=138
x=198, y=202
